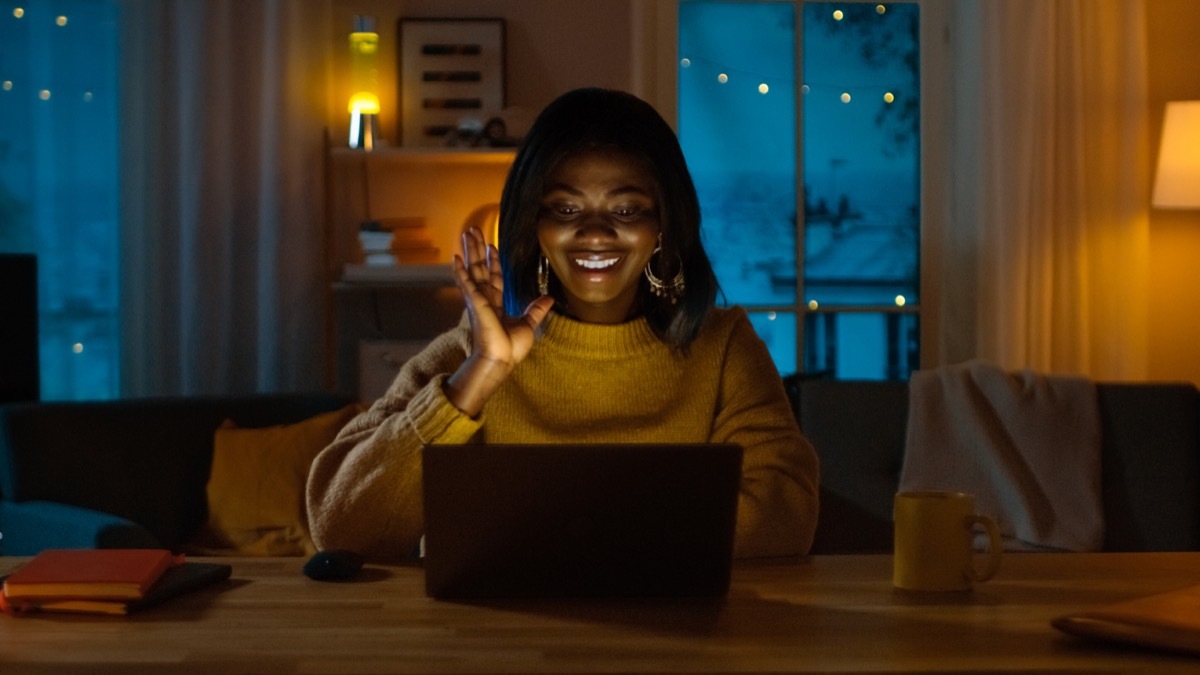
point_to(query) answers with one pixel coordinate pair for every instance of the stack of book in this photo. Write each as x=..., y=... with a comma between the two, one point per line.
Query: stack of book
x=397, y=241
x=103, y=581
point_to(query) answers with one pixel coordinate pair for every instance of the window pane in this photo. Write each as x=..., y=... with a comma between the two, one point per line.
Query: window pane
x=58, y=182
x=861, y=345
x=778, y=330
x=861, y=168
x=741, y=142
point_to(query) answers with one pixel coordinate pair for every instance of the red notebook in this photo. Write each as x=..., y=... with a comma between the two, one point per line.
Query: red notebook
x=118, y=574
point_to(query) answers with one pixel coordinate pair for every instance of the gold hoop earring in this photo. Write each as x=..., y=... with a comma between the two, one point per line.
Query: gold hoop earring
x=543, y=275
x=671, y=290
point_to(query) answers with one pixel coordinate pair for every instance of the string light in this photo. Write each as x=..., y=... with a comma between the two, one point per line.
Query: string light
x=846, y=91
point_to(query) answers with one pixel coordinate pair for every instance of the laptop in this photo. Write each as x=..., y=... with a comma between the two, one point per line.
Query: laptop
x=603, y=520
x=1168, y=621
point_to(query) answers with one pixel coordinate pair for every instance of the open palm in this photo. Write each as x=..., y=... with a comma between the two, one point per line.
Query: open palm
x=497, y=338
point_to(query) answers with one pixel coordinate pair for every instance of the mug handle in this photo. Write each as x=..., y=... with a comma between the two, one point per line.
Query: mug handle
x=995, y=547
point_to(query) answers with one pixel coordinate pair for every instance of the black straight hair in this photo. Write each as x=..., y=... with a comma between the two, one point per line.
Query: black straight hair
x=590, y=119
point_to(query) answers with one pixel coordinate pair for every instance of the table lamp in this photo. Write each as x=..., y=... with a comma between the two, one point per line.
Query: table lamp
x=1177, y=182
x=364, y=78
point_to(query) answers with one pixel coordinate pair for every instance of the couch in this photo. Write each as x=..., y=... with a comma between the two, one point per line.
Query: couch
x=1150, y=461
x=133, y=473
x=122, y=473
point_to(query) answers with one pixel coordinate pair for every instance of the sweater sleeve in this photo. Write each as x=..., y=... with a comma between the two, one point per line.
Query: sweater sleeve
x=777, y=507
x=364, y=490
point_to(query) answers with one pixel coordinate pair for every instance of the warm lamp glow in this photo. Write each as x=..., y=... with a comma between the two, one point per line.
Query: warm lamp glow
x=486, y=219
x=364, y=78
x=1177, y=184
x=364, y=102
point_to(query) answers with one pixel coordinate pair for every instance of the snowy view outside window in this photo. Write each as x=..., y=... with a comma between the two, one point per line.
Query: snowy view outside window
x=58, y=182
x=848, y=309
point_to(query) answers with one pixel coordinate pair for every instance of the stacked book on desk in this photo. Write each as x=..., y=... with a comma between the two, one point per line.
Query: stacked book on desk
x=103, y=581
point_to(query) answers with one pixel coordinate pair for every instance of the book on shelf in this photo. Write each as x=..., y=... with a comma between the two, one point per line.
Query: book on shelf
x=110, y=574
x=399, y=273
x=177, y=580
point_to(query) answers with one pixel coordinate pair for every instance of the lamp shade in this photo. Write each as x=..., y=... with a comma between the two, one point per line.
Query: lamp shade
x=1177, y=183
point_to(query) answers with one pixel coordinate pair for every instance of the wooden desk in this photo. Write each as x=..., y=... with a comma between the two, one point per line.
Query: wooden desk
x=830, y=613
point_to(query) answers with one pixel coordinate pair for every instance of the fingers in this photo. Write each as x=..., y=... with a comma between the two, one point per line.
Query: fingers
x=483, y=266
x=496, y=277
x=475, y=250
x=537, y=311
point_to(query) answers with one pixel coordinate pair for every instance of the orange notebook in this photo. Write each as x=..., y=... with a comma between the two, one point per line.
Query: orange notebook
x=1168, y=620
x=118, y=574
x=177, y=580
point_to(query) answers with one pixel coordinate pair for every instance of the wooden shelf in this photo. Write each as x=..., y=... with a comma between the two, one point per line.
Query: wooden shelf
x=441, y=187
x=428, y=155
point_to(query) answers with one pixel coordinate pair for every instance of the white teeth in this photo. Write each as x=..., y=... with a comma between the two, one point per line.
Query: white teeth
x=596, y=264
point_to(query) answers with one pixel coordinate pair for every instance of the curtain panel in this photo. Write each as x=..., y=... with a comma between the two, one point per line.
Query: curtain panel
x=222, y=195
x=1049, y=219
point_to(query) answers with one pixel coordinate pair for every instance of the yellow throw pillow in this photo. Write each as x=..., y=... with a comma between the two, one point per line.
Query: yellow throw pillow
x=256, y=488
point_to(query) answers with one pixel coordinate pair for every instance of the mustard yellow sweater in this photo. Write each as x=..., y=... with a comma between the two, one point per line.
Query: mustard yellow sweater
x=580, y=383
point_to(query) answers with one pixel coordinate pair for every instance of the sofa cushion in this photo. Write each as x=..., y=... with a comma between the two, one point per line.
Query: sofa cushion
x=256, y=488
x=1150, y=454
x=858, y=430
x=146, y=460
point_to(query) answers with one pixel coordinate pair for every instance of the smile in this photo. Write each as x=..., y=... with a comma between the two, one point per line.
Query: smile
x=596, y=264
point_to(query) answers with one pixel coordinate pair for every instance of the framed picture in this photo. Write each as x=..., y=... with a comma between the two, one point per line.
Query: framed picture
x=451, y=77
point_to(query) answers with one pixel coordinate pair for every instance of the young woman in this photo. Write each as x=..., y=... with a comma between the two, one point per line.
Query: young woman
x=593, y=322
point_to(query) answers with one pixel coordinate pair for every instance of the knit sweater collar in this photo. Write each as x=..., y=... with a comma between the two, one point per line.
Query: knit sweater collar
x=594, y=340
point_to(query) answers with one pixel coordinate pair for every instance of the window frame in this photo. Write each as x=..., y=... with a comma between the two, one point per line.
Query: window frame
x=655, y=78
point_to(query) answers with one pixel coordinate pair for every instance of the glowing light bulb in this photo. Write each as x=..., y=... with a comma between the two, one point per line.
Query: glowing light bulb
x=900, y=300
x=845, y=97
x=888, y=97
x=838, y=15
x=18, y=12
x=880, y=9
x=722, y=78
x=61, y=20
x=812, y=304
x=763, y=88
x=44, y=94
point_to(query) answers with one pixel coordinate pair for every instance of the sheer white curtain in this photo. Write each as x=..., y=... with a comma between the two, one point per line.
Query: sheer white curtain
x=224, y=103
x=1044, y=258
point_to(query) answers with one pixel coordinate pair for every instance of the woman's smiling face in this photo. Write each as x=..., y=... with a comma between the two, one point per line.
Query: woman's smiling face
x=599, y=227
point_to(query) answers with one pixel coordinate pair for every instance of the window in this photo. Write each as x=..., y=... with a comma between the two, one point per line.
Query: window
x=58, y=182
x=810, y=185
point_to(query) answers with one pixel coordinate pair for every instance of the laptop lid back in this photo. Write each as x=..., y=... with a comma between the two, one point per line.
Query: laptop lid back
x=604, y=520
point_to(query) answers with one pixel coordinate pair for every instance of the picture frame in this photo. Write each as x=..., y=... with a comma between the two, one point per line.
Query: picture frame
x=451, y=77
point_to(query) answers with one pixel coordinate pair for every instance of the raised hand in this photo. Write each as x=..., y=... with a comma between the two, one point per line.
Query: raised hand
x=499, y=342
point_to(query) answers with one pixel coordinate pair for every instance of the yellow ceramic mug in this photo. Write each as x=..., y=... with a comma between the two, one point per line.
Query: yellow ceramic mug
x=933, y=545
